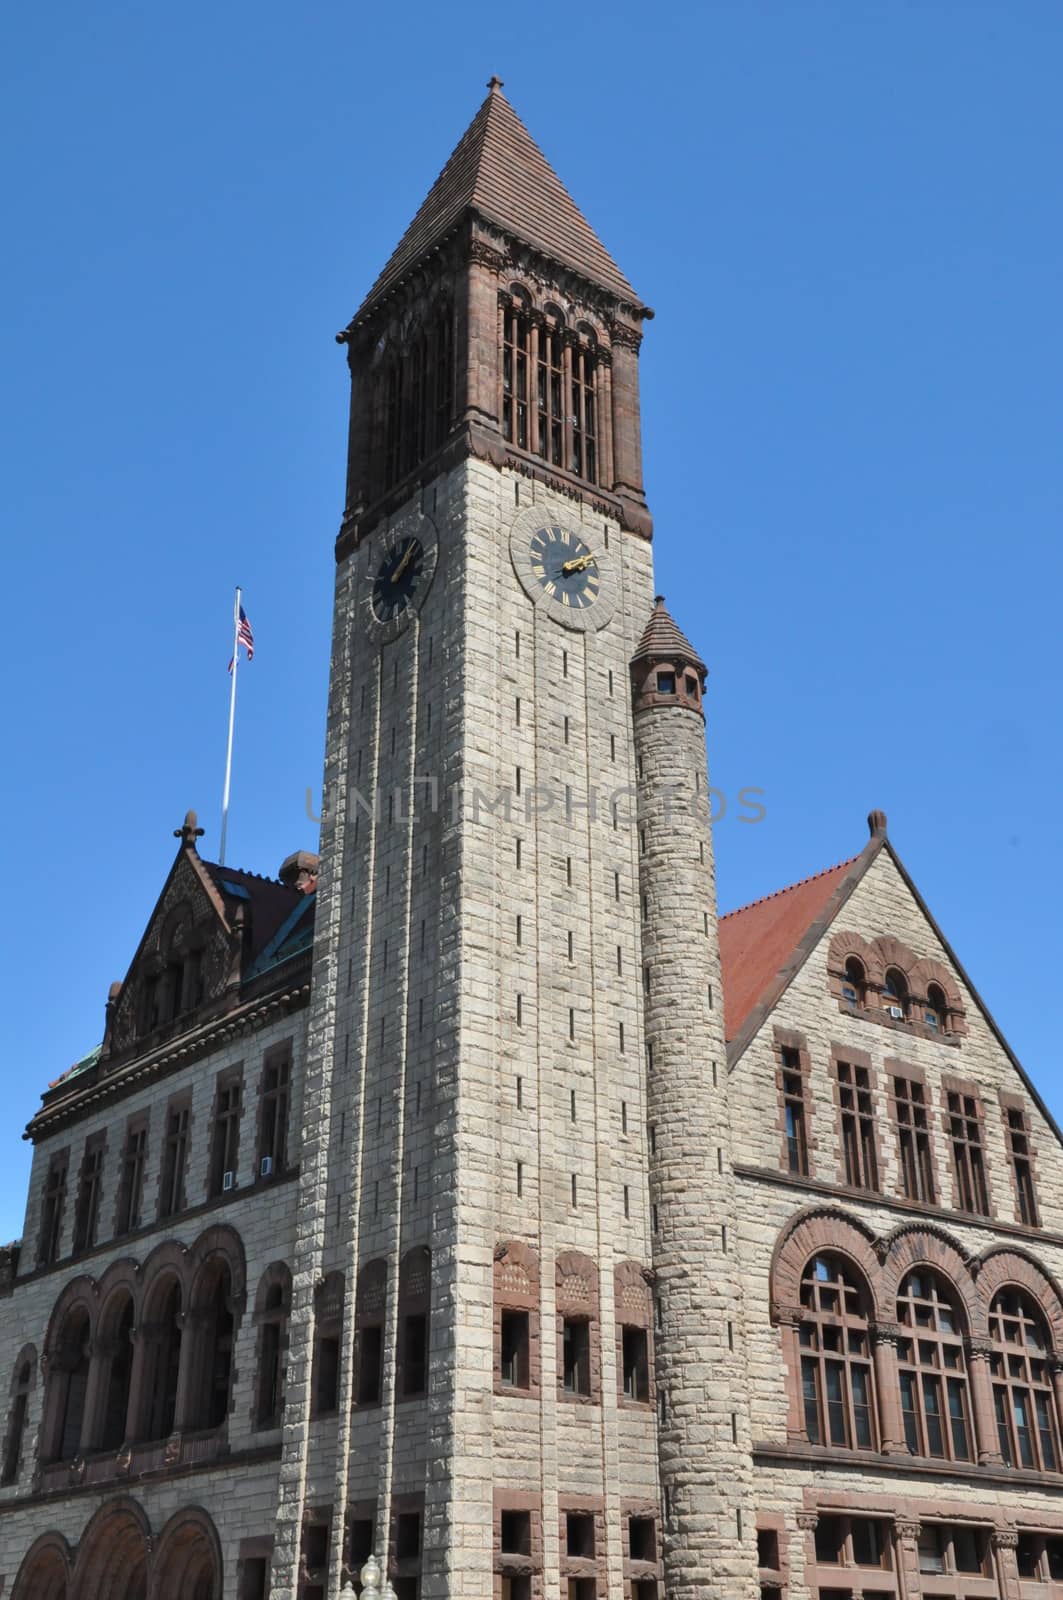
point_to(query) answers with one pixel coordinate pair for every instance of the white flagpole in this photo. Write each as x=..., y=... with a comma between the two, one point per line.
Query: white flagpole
x=232, y=721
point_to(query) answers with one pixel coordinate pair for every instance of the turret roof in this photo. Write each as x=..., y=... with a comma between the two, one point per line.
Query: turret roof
x=663, y=640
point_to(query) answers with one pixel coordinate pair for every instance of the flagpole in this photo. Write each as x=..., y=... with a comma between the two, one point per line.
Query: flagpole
x=232, y=722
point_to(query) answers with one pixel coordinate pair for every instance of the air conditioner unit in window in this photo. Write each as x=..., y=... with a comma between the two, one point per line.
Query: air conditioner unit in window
x=897, y=1013
x=228, y=1182
x=265, y=1167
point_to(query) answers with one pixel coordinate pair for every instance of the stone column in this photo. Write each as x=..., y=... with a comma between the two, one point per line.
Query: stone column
x=979, y=1354
x=907, y=1531
x=704, y=1444
x=884, y=1336
x=1005, y=1542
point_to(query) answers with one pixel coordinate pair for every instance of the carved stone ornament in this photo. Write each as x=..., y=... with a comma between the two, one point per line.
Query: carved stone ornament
x=808, y=1521
x=908, y=1529
x=1005, y=1538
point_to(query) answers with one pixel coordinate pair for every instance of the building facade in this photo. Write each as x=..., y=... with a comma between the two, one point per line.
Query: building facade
x=472, y=1196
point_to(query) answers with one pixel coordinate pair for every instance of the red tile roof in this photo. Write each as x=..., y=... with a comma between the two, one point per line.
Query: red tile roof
x=499, y=171
x=662, y=638
x=757, y=941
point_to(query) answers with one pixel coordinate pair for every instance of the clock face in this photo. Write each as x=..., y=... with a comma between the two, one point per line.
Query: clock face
x=398, y=579
x=564, y=566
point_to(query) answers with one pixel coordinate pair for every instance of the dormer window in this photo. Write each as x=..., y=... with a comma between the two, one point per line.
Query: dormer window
x=895, y=995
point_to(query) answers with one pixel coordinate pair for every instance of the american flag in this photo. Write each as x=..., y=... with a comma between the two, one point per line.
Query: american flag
x=244, y=637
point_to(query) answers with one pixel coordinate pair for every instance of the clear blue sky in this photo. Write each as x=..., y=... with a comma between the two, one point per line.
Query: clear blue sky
x=847, y=215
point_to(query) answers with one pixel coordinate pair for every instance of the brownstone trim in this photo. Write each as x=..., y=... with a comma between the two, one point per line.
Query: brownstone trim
x=911, y=1247
x=787, y=1039
x=633, y=1307
x=576, y=1280
x=1010, y=1103
x=817, y=1231
x=45, y=1569
x=576, y=1566
x=967, y=1089
x=1002, y=1266
x=636, y=1569
x=517, y=1288
x=118, y=1531
x=778, y=1576
x=513, y=1564
x=857, y=1060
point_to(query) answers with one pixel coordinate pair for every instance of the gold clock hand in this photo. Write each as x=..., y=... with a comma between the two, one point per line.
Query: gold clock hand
x=577, y=564
x=403, y=564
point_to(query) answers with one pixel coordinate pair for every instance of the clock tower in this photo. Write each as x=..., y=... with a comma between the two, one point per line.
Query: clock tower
x=488, y=1253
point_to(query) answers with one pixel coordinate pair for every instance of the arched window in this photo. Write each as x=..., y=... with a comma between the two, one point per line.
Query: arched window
x=935, y=1402
x=69, y=1371
x=115, y=1351
x=895, y=994
x=836, y=1376
x=1023, y=1398
x=163, y=1364
x=584, y=413
x=269, y=1405
x=328, y=1333
x=854, y=983
x=214, y=1345
x=16, y=1423
x=516, y=333
x=936, y=1014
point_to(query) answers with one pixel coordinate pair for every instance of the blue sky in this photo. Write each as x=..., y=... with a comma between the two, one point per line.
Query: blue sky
x=847, y=216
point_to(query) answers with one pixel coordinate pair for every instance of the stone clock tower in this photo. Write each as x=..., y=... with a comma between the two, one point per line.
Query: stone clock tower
x=474, y=1389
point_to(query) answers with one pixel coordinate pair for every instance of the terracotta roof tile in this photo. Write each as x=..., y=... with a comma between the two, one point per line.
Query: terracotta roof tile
x=661, y=638
x=758, y=940
x=499, y=171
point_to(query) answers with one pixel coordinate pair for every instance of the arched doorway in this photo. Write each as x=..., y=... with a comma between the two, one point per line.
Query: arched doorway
x=188, y=1562
x=112, y=1561
x=45, y=1573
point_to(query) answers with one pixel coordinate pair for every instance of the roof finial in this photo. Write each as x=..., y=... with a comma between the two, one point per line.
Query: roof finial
x=876, y=822
x=188, y=832
x=494, y=83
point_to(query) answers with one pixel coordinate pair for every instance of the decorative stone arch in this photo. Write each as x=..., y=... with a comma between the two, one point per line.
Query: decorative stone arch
x=576, y=1287
x=277, y=1275
x=121, y=1278
x=82, y=1291
x=168, y=1259
x=217, y=1296
x=930, y=971
x=846, y=943
x=159, y=1345
x=633, y=1309
x=224, y=1241
x=114, y=1555
x=27, y=1356
x=188, y=1562
x=113, y=1355
x=1002, y=1267
x=824, y=1230
x=45, y=1570
x=517, y=1290
x=67, y=1365
x=893, y=952
x=915, y=1245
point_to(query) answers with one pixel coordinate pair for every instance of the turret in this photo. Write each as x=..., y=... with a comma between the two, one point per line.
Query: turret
x=703, y=1433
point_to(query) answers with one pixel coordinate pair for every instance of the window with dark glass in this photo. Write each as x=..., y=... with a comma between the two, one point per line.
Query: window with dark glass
x=225, y=1137
x=935, y=1402
x=854, y=983
x=1023, y=1396
x=965, y=1131
x=174, y=1158
x=116, y=1349
x=69, y=1372
x=1040, y=1556
x=414, y=1306
x=584, y=427
x=895, y=995
x=516, y=328
x=666, y=683
x=269, y=1402
x=164, y=1363
x=913, y=1140
x=794, y=1112
x=936, y=1011
x=857, y=1112
x=576, y=1355
x=515, y=1350
x=53, y=1203
x=328, y=1328
x=16, y=1423
x=836, y=1373
x=635, y=1351
x=515, y=1533
x=369, y=1332
x=853, y=1542
x=1021, y=1157
x=413, y=396
x=131, y=1182
x=945, y=1550
x=90, y=1190
x=273, y=1145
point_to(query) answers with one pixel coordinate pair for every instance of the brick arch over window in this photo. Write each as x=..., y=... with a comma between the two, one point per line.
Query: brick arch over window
x=188, y=1562
x=82, y=1291
x=913, y=1246
x=45, y=1570
x=113, y=1555
x=517, y=1342
x=576, y=1280
x=223, y=1241
x=168, y=1259
x=123, y=1275
x=824, y=1230
x=924, y=976
x=893, y=952
x=1001, y=1267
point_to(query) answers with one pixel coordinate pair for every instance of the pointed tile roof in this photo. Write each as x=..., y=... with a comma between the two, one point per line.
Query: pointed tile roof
x=499, y=171
x=758, y=942
x=662, y=640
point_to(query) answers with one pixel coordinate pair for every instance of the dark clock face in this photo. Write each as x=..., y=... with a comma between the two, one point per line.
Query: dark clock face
x=564, y=567
x=398, y=578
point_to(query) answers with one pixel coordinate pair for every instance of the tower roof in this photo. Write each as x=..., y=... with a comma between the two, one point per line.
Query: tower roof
x=662, y=640
x=498, y=171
